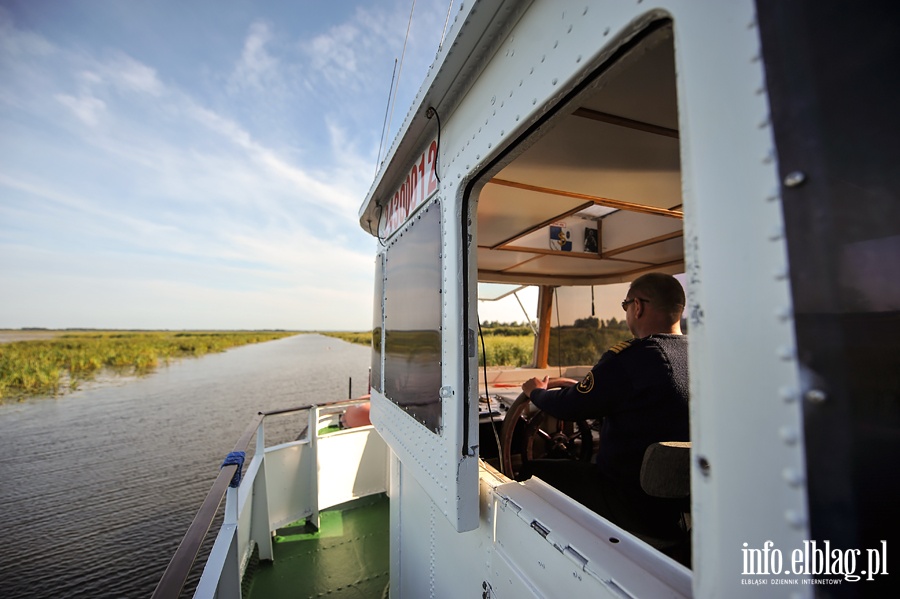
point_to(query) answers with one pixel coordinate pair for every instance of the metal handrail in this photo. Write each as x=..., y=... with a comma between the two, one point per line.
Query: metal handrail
x=179, y=568
x=180, y=565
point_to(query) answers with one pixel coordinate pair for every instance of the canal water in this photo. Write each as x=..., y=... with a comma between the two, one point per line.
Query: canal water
x=97, y=487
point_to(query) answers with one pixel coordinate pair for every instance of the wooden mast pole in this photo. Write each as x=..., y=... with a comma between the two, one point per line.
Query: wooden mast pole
x=542, y=345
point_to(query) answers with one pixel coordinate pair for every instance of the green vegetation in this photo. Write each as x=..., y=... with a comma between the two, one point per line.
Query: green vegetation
x=358, y=338
x=585, y=341
x=506, y=350
x=49, y=366
x=513, y=344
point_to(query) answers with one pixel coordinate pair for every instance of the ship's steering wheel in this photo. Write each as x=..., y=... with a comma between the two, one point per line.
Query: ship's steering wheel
x=563, y=440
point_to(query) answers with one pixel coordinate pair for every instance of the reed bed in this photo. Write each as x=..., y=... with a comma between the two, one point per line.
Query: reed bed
x=62, y=363
x=363, y=338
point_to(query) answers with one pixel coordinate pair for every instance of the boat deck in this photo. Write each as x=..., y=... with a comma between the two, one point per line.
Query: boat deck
x=347, y=557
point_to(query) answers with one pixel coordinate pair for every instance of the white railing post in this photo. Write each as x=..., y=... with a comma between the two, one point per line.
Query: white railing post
x=260, y=527
x=313, y=428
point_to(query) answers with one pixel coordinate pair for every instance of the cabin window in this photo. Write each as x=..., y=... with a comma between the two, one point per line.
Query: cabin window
x=412, y=318
x=589, y=201
x=587, y=321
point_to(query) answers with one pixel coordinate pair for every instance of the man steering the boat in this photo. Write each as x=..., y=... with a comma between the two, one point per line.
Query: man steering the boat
x=640, y=390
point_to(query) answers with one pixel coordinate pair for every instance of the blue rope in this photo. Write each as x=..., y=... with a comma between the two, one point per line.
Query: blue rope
x=235, y=457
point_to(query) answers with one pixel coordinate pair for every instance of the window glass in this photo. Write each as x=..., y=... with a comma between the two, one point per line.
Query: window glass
x=412, y=319
x=588, y=320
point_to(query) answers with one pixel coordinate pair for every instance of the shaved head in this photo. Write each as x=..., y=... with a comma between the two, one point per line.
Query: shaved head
x=664, y=293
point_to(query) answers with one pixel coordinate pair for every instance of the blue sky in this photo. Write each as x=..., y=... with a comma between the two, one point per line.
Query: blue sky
x=197, y=164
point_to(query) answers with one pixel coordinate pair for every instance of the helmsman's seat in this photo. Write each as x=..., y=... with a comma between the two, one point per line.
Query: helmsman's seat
x=666, y=473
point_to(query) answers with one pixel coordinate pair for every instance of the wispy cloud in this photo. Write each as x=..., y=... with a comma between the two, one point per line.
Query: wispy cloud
x=132, y=189
x=86, y=108
x=126, y=73
x=16, y=43
x=257, y=69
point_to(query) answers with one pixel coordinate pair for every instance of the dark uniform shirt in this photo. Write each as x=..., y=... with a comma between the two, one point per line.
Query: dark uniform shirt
x=640, y=389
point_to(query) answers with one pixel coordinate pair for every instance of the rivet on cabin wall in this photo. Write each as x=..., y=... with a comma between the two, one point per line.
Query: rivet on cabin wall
x=794, y=518
x=789, y=435
x=792, y=477
x=788, y=394
x=815, y=396
x=794, y=179
x=786, y=353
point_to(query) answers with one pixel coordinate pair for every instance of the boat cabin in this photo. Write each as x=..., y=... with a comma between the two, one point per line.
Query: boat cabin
x=572, y=147
x=558, y=150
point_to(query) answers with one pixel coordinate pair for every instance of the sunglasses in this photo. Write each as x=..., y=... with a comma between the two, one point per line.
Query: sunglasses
x=634, y=299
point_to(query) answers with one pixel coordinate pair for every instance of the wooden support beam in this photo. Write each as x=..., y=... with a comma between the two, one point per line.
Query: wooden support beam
x=608, y=202
x=545, y=310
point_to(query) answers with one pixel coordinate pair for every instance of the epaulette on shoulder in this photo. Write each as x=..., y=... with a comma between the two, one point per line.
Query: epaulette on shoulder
x=618, y=347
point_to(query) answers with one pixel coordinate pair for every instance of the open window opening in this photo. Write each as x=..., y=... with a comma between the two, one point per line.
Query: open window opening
x=591, y=203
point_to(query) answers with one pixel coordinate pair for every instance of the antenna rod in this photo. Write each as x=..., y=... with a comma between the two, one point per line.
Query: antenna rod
x=384, y=124
x=446, y=21
x=402, y=54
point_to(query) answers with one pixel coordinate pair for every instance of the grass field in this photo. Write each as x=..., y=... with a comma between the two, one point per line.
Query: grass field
x=58, y=363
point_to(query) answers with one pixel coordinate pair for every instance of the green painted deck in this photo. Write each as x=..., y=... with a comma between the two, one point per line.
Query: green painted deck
x=347, y=557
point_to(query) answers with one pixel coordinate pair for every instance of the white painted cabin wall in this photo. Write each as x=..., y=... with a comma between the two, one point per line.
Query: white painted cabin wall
x=744, y=379
x=745, y=413
x=430, y=559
